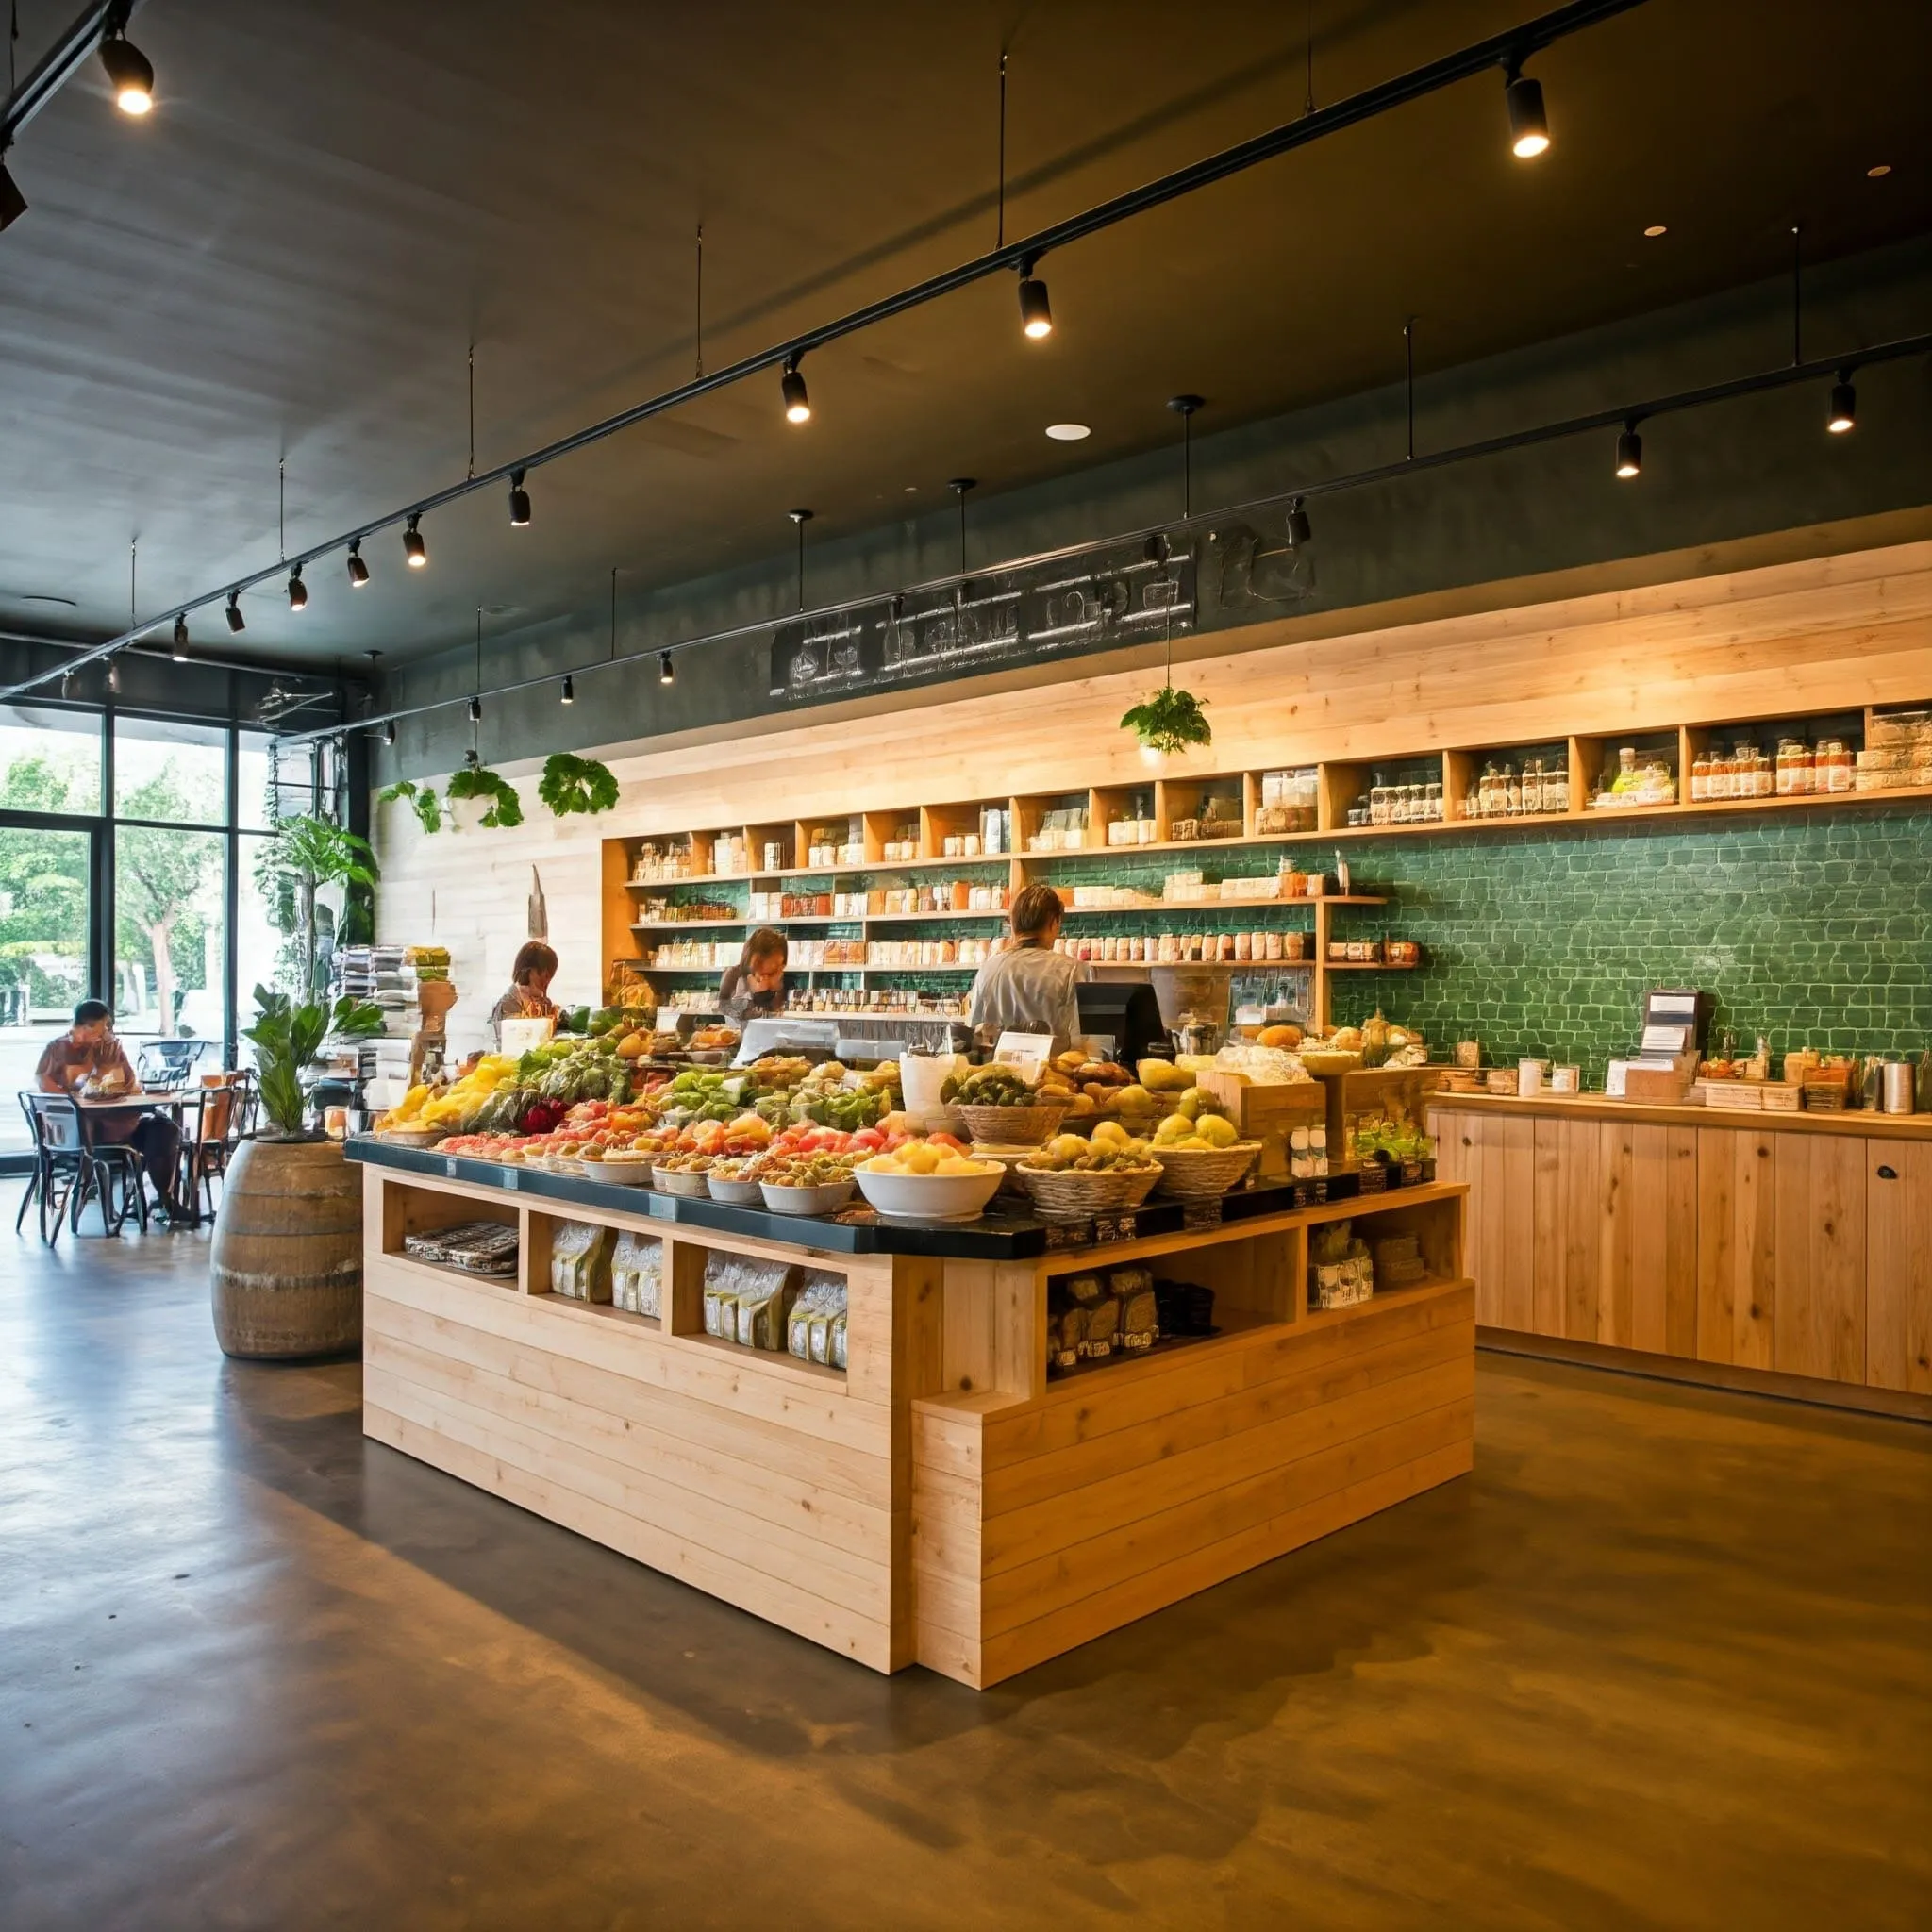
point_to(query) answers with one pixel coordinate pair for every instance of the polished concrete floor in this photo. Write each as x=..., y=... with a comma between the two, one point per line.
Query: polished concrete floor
x=1665, y=1660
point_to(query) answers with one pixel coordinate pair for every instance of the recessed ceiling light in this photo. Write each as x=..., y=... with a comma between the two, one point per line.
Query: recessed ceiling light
x=1878, y=174
x=1068, y=432
x=1655, y=230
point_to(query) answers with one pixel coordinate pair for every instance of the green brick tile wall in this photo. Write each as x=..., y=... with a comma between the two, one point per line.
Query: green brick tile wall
x=1813, y=929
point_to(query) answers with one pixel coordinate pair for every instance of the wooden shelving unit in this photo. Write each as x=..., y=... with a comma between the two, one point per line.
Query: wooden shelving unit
x=1178, y=796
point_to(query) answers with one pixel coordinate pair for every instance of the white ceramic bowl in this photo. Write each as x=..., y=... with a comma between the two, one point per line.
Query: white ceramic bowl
x=679, y=1180
x=827, y=1199
x=739, y=1193
x=932, y=1196
x=620, y=1174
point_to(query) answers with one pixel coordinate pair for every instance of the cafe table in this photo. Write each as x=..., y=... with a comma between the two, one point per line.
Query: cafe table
x=173, y=1101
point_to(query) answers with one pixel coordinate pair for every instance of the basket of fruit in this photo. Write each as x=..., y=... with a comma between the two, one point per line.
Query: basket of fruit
x=1201, y=1152
x=1091, y=1089
x=999, y=1105
x=1070, y=1179
x=926, y=1180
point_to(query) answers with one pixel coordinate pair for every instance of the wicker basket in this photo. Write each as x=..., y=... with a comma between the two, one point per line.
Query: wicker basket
x=1200, y=1173
x=1074, y=1194
x=1010, y=1126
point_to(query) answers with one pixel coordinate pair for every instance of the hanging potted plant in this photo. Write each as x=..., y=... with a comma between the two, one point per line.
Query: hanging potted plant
x=286, y=1268
x=422, y=800
x=1169, y=722
x=571, y=784
x=502, y=806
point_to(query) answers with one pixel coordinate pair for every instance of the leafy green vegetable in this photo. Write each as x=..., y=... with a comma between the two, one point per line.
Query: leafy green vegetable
x=571, y=784
x=422, y=802
x=1169, y=721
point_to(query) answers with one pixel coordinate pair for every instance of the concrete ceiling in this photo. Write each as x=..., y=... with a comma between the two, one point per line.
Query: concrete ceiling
x=291, y=256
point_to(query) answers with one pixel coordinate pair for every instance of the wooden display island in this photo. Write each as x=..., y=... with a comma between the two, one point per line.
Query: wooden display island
x=1793, y=1244
x=941, y=1500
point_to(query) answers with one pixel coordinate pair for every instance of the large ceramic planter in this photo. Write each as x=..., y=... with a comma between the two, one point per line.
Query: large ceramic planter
x=287, y=1261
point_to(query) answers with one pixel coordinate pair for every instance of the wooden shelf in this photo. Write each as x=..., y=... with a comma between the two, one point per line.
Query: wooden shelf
x=1363, y=966
x=901, y=918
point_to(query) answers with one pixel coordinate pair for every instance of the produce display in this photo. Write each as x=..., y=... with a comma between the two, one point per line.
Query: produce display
x=937, y=1154
x=994, y=1086
x=1111, y=1148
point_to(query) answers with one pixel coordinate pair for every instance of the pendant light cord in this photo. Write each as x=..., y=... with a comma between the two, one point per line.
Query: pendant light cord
x=1000, y=226
x=613, y=613
x=699, y=329
x=282, y=507
x=1409, y=364
x=1308, y=103
x=471, y=474
x=1797, y=294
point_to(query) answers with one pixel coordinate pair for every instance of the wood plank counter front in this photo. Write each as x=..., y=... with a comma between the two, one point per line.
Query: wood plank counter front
x=940, y=1501
x=1798, y=1244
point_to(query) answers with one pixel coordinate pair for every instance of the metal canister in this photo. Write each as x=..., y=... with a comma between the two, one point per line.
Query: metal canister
x=1895, y=1087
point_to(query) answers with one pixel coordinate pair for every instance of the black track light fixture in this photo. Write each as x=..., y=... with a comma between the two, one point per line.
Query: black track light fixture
x=389, y=733
x=129, y=73
x=414, y=549
x=518, y=502
x=569, y=694
x=12, y=202
x=1629, y=452
x=1529, y=126
x=236, y=623
x=1036, y=311
x=1300, y=530
x=791, y=386
x=298, y=591
x=181, y=640
x=666, y=673
x=475, y=710
x=358, y=571
x=1843, y=415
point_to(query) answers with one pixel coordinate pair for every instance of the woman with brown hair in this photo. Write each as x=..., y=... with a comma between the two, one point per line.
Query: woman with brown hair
x=528, y=997
x=1029, y=988
x=756, y=986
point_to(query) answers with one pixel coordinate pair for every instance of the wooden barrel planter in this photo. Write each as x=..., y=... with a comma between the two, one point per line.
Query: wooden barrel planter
x=287, y=1260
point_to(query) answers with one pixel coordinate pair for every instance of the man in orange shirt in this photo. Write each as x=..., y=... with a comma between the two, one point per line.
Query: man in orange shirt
x=88, y=1054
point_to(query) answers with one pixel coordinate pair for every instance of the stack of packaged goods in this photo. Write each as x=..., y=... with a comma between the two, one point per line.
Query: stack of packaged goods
x=1341, y=1272
x=388, y=977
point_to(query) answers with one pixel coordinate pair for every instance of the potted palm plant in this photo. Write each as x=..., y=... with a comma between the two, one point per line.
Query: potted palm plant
x=286, y=1268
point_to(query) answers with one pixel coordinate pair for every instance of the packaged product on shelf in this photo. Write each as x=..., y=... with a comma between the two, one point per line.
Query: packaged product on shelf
x=732, y=1278
x=637, y=1274
x=1341, y=1272
x=1103, y=1328
x=1399, y=1261
x=820, y=1304
x=477, y=1247
x=1139, y=1320
x=580, y=1261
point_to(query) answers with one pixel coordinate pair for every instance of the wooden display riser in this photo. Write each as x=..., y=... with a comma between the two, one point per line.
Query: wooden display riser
x=941, y=1501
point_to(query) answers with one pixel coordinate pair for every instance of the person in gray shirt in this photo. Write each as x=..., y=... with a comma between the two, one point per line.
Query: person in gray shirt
x=1029, y=988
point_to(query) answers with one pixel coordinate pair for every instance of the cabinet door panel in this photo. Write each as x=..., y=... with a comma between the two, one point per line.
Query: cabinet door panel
x=1898, y=1265
x=1737, y=1196
x=1663, y=1255
x=1820, y=1314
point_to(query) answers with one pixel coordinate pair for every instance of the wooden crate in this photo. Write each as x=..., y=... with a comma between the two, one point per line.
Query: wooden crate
x=1267, y=1114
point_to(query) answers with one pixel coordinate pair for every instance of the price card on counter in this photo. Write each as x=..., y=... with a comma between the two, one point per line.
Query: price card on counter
x=1025, y=1053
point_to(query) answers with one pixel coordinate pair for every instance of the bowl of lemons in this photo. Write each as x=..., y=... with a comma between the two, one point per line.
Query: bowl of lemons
x=923, y=1182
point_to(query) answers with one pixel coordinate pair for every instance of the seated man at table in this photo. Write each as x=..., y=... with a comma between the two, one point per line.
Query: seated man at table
x=88, y=1061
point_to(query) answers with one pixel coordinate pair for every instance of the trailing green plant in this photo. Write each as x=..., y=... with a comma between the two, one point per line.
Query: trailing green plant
x=478, y=781
x=1169, y=721
x=287, y=1038
x=571, y=784
x=310, y=851
x=422, y=802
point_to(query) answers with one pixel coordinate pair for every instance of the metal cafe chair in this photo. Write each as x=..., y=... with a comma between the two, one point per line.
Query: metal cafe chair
x=70, y=1169
x=220, y=1122
x=168, y=1062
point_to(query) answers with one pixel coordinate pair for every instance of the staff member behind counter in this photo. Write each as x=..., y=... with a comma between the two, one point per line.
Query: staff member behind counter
x=1029, y=988
x=755, y=988
x=528, y=997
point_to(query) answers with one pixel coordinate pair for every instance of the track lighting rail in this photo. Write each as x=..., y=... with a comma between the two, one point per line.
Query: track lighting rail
x=1496, y=52
x=1784, y=377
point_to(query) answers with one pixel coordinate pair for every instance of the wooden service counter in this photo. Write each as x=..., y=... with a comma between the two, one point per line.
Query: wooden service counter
x=940, y=1499
x=1797, y=1244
